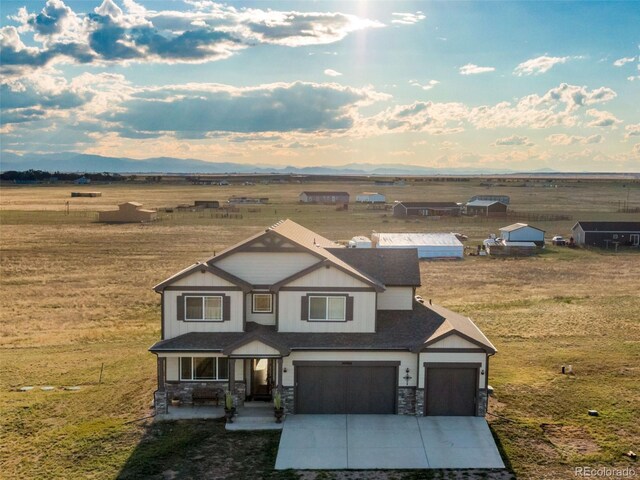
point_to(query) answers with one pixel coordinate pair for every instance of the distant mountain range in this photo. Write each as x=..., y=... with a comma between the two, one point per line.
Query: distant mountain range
x=80, y=162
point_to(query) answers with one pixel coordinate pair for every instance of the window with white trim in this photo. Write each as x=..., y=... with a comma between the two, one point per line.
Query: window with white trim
x=262, y=303
x=204, y=368
x=203, y=308
x=329, y=308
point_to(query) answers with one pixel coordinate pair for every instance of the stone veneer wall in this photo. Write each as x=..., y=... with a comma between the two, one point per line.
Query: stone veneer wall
x=288, y=399
x=184, y=390
x=160, y=401
x=406, y=400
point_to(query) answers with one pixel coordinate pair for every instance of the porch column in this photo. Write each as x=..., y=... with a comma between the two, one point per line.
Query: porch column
x=232, y=375
x=161, y=363
x=279, y=386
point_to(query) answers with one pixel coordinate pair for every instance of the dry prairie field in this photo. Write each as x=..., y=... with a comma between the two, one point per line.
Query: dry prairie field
x=77, y=295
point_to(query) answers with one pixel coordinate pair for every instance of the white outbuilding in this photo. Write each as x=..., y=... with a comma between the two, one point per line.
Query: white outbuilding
x=521, y=232
x=359, y=241
x=370, y=197
x=429, y=245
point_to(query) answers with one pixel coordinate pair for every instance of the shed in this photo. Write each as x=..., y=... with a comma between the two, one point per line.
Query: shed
x=521, y=232
x=129, y=212
x=359, y=241
x=324, y=197
x=494, y=198
x=404, y=209
x=606, y=234
x=206, y=204
x=486, y=208
x=370, y=197
x=429, y=245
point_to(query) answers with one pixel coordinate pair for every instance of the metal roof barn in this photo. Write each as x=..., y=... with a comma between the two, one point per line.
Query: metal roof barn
x=429, y=245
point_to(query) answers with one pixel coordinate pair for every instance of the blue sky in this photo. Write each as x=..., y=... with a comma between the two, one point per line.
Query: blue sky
x=520, y=85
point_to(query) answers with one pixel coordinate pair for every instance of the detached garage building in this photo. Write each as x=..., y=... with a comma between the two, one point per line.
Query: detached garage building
x=521, y=232
x=429, y=245
x=426, y=209
x=604, y=234
x=324, y=197
x=129, y=212
x=486, y=208
x=370, y=197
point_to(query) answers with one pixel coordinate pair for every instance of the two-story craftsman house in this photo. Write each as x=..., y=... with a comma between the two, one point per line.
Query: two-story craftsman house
x=336, y=330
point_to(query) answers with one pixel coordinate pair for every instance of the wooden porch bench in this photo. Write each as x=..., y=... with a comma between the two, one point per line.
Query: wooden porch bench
x=207, y=394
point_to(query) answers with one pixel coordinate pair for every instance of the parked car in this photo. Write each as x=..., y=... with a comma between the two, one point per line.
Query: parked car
x=558, y=240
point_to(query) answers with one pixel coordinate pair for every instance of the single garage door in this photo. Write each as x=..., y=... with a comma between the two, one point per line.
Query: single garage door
x=451, y=391
x=349, y=388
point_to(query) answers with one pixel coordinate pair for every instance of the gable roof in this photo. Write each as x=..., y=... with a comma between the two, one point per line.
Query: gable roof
x=390, y=266
x=518, y=226
x=203, y=267
x=307, y=192
x=292, y=232
x=483, y=203
x=411, y=330
x=429, y=204
x=609, y=226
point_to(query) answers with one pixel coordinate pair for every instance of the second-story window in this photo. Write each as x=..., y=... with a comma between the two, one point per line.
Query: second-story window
x=203, y=308
x=262, y=303
x=327, y=308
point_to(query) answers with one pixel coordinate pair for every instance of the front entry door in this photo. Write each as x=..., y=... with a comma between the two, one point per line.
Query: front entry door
x=262, y=378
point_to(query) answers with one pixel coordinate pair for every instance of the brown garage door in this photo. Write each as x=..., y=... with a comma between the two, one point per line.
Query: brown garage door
x=451, y=391
x=346, y=389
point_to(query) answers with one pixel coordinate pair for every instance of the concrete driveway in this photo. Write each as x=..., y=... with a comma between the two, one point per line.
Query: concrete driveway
x=322, y=442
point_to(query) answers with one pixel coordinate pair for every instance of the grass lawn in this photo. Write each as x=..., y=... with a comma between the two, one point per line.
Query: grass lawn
x=76, y=299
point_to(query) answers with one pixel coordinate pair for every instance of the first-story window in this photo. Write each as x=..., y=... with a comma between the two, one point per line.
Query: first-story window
x=327, y=308
x=204, y=368
x=262, y=303
x=203, y=308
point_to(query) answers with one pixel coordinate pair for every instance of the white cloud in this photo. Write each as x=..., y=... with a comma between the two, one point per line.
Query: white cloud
x=471, y=69
x=564, y=139
x=602, y=118
x=622, y=61
x=514, y=140
x=332, y=73
x=632, y=131
x=407, y=18
x=538, y=65
x=205, y=32
x=427, y=86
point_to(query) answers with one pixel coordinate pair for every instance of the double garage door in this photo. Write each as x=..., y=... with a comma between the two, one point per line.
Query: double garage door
x=346, y=388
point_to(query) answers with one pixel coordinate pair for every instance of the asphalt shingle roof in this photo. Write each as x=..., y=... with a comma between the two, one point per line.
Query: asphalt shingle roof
x=390, y=266
x=610, y=226
x=396, y=330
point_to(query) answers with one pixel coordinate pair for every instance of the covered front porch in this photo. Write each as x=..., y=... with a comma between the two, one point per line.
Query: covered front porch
x=250, y=370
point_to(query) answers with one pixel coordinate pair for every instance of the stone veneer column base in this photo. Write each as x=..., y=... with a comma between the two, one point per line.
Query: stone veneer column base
x=420, y=402
x=160, y=402
x=482, y=402
x=288, y=399
x=406, y=400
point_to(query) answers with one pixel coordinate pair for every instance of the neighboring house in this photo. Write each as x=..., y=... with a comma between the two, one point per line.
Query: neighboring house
x=324, y=197
x=429, y=245
x=521, y=232
x=128, y=212
x=233, y=200
x=494, y=198
x=334, y=329
x=486, y=208
x=370, y=197
x=404, y=209
x=82, y=181
x=606, y=234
